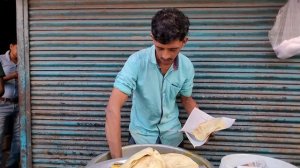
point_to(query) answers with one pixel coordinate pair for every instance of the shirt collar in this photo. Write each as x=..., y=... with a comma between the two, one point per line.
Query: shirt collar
x=153, y=59
x=175, y=63
x=7, y=55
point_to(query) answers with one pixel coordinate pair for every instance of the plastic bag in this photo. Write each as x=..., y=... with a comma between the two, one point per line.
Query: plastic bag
x=285, y=34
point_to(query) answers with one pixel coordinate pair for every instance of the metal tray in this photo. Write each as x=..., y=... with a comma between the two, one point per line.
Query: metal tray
x=104, y=160
x=107, y=163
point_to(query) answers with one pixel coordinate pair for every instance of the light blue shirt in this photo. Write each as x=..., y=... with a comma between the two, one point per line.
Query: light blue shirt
x=154, y=111
x=11, y=86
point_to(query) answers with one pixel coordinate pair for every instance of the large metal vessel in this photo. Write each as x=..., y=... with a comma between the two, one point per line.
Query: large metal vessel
x=104, y=160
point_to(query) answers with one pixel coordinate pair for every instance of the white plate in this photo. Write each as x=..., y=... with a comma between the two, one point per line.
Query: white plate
x=235, y=160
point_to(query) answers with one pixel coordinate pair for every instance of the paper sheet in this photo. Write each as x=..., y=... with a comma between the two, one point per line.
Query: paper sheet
x=197, y=117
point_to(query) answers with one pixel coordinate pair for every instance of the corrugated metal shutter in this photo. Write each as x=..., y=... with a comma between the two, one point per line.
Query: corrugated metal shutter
x=77, y=47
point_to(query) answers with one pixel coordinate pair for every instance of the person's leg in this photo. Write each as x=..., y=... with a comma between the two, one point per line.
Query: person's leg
x=131, y=141
x=158, y=141
x=181, y=145
x=14, y=156
x=4, y=113
x=2, y=128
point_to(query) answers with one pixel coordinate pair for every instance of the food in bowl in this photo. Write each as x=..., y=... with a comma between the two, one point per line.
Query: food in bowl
x=151, y=158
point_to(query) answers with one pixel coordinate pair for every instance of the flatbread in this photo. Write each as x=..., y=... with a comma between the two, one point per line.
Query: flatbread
x=151, y=158
x=146, y=158
x=150, y=162
x=115, y=166
x=208, y=127
x=175, y=160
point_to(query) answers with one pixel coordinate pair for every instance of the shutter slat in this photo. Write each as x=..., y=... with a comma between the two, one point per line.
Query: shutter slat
x=78, y=47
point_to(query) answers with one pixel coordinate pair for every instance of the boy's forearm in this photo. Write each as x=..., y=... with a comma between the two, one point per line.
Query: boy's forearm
x=188, y=103
x=113, y=133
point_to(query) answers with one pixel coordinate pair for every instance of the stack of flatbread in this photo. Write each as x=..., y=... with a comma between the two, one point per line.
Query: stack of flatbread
x=151, y=158
x=206, y=128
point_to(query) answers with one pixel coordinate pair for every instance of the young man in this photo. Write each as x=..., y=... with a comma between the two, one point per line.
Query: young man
x=2, y=74
x=9, y=105
x=154, y=77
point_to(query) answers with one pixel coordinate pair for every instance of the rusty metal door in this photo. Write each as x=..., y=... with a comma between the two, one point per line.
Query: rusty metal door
x=72, y=50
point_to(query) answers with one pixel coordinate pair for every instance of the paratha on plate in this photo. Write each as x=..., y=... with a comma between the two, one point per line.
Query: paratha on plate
x=206, y=128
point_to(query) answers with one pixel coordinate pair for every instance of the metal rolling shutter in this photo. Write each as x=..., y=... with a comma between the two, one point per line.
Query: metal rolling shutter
x=76, y=49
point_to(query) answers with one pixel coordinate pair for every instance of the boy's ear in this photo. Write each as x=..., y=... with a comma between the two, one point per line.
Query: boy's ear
x=185, y=40
x=151, y=35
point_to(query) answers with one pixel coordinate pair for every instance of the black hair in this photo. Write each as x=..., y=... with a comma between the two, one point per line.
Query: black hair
x=13, y=40
x=169, y=24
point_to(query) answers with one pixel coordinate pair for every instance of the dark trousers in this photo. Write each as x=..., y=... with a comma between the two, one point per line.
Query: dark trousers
x=8, y=110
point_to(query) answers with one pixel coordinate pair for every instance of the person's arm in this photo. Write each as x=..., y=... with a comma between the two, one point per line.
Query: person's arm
x=1, y=86
x=188, y=103
x=13, y=75
x=113, y=122
x=2, y=75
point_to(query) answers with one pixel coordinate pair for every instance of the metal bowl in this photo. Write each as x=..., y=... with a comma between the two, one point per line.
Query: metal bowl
x=104, y=160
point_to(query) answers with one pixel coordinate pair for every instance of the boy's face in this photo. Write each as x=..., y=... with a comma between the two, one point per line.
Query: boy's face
x=166, y=53
x=13, y=51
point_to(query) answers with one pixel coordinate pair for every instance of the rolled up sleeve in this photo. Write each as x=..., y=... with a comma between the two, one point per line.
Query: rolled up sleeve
x=127, y=77
x=187, y=87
